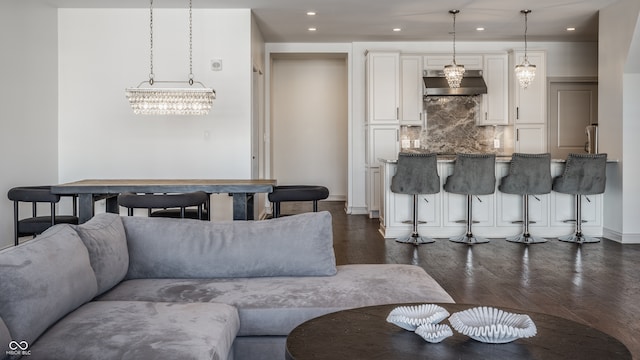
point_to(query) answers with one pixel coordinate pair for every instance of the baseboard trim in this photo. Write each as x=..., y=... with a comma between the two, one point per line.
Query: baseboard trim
x=621, y=238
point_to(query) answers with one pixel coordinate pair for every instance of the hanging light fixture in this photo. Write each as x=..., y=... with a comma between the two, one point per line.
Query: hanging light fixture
x=171, y=101
x=525, y=72
x=454, y=72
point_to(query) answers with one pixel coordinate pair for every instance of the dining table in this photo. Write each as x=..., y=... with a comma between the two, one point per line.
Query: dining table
x=90, y=190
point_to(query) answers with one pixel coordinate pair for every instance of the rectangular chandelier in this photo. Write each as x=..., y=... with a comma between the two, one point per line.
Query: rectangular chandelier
x=170, y=101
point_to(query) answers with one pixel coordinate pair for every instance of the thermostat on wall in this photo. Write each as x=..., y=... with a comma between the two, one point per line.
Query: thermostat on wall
x=216, y=64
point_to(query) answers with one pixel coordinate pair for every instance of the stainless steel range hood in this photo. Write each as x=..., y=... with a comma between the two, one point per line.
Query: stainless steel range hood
x=436, y=84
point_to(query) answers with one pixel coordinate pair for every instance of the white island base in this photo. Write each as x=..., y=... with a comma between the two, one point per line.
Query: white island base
x=499, y=215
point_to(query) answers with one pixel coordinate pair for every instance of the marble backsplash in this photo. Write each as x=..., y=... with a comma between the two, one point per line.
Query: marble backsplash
x=451, y=127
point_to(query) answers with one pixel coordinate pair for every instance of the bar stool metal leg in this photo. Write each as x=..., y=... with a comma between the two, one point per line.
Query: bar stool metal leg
x=525, y=237
x=415, y=238
x=468, y=237
x=578, y=236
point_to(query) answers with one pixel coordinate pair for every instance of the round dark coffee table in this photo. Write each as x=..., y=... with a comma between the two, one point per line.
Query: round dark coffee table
x=364, y=333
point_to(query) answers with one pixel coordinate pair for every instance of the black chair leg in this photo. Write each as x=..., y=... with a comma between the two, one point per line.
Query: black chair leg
x=15, y=223
x=276, y=209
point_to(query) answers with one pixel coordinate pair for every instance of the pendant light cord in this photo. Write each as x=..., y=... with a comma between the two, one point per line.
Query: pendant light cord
x=454, y=13
x=454, y=36
x=190, y=44
x=151, y=76
x=526, y=26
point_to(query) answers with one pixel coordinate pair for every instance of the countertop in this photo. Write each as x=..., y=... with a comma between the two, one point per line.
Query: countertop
x=499, y=159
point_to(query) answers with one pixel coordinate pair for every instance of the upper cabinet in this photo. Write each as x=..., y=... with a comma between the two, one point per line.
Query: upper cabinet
x=383, y=87
x=411, y=108
x=495, y=103
x=529, y=104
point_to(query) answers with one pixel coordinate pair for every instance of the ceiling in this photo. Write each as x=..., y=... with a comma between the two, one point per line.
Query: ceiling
x=420, y=20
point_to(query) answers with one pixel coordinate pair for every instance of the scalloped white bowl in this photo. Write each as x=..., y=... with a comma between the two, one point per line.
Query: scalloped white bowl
x=410, y=317
x=491, y=325
x=434, y=333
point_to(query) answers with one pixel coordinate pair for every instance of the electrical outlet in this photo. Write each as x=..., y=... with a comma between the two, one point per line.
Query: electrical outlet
x=216, y=65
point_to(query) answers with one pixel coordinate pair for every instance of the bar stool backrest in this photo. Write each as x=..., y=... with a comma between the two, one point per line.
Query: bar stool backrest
x=473, y=174
x=584, y=174
x=416, y=173
x=529, y=174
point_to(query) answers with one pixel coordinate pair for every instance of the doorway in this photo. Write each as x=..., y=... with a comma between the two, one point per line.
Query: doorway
x=309, y=120
x=573, y=105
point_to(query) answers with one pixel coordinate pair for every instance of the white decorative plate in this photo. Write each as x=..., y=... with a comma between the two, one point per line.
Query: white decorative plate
x=410, y=317
x=434, y=333
x=491, y=325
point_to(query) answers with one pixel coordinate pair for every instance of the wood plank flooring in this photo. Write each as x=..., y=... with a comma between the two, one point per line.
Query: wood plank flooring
x=594, y=284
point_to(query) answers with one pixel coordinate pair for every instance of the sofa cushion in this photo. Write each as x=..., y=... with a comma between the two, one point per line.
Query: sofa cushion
x=299, y=245
x=274, y=306
x=105, y=239
x=141, y=330
x=43, y=280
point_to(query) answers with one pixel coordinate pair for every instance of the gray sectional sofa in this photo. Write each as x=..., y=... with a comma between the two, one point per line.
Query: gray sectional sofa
x=151, y=288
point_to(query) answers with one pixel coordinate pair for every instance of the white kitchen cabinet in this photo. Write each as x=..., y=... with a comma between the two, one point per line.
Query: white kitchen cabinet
x=383, y=87
x=530, y=104
x=373, y=189
x=411, y=90
x=438, y=62
x=495, y=214
x=530, y=138
x=383, y=143
x=495, y=103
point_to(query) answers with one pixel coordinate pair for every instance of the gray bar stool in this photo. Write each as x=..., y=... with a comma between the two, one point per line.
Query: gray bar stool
x=416, y=173
x=529, y=174
x=584, y=174
x=473, y=174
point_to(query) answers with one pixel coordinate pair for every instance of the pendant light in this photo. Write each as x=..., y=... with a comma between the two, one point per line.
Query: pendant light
x=185, y=100
x=525, y=72
x=454, y=72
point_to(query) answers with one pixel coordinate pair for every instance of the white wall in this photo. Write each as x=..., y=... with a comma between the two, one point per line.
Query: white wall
x=28, y=102
x=309, y=119
x=618, y=117
x=103, y=51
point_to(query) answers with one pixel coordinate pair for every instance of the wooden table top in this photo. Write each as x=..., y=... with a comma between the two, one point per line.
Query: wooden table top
x=364, y=333
x=160, y=185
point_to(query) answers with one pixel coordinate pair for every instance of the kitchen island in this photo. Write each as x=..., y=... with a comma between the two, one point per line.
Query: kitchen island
x=497, y=215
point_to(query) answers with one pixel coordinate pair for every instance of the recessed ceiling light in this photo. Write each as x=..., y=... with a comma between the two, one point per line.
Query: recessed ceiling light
x=311, y=13
x=312, y=29
x=571, y=29
x=480, y=28
x=397, y=29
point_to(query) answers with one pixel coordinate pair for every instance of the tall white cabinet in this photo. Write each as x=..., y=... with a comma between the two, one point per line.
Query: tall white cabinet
x=382, y=119
x=528, y=107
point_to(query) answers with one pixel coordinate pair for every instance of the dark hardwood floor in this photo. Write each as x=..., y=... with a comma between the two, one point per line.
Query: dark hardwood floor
x=594, y=284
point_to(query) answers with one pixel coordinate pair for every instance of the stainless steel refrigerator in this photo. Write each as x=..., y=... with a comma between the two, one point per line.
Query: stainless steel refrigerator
x=591, y=146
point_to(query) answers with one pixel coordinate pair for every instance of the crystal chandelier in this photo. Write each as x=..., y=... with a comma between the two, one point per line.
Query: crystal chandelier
x=525, y=72
x=454, y=72
x=171, y=101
